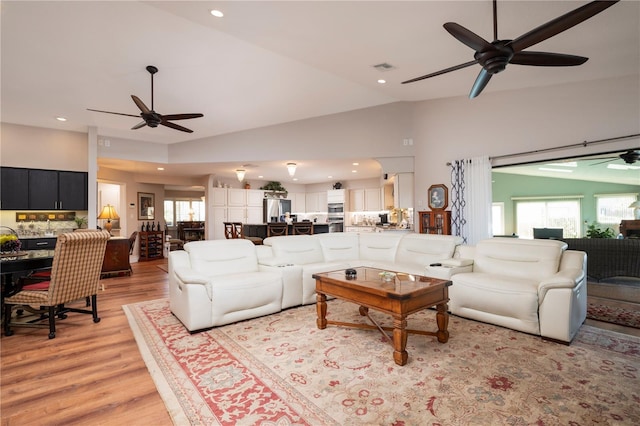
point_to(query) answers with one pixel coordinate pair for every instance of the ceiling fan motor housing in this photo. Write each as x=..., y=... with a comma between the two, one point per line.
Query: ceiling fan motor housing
x=495, y=60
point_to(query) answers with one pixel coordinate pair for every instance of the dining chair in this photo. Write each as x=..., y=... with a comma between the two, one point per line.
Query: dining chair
x=132, y=241
x=276, y=229
x=302, y=228
x=238, y=229
x=75, y=275
x=229, y=230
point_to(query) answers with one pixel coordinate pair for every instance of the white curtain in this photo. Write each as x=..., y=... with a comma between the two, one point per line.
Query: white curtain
x=471, y=198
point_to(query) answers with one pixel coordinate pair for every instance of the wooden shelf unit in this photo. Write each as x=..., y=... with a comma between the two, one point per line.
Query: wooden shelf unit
x=435, y=222
x=151, y=245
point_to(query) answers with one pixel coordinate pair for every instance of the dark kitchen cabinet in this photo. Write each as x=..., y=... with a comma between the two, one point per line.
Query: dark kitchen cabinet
x=58, y=190
x=14, y=188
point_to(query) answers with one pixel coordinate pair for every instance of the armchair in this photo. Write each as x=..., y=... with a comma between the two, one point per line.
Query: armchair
x=75, y=275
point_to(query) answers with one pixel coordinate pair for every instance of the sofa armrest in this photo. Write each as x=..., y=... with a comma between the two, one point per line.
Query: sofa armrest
x=456, y=263
x=273, y=261
x=189, y=276
x=567, y=278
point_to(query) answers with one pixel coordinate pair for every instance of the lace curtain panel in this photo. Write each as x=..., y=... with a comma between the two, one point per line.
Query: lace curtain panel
x=471, y=199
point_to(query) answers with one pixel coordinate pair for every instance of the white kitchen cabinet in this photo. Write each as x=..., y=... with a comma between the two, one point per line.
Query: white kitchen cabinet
x=356, y=200
x=236, y=214
x=254, y=197
x=218, y=196
x=316, y=202
x=217, y=216
x=373, y=199
x=298, y=202
x=337, y=196
x=254, y=215
x=403, y=191
x=237, y=197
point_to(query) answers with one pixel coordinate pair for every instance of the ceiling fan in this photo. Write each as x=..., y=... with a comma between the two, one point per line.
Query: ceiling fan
x=152, y=118
x=495, y=56
x=629, y=157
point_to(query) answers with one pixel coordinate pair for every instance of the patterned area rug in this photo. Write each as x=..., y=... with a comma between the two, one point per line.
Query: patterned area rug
x=614, y=314
x=281, y=370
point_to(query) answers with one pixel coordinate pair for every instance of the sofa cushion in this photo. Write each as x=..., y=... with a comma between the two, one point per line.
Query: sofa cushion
x=296, y=249
x=340, y=246
x=222, y=257
x=379, y=246
x=529, y=259
x=424, y=249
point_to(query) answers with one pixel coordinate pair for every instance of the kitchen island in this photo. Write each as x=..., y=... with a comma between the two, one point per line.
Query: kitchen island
x=260, y=229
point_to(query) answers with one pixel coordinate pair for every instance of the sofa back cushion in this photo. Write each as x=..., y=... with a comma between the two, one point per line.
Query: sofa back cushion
x=380, y=246
x=221, y=257
x=296, y=249
x=425, y=249
x=339, y=246
x=532, y=259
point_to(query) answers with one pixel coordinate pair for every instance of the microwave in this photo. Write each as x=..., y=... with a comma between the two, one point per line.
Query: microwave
x=335, y=208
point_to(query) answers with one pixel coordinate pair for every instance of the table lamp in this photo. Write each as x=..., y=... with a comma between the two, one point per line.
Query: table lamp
x=636, y=209
x=108, y=212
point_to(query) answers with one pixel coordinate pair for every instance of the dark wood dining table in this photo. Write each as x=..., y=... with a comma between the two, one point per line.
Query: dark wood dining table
x=32, y=260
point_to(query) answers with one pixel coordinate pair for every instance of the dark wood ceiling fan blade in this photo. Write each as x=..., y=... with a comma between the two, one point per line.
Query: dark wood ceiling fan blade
x=116, y=113
x=139, y=125
x=175, y=126
x=560, y=24
x=545, y=59
x=140, y=104
x=181, y=116
x=468, y=37
x=444, y=71
x=481, y=82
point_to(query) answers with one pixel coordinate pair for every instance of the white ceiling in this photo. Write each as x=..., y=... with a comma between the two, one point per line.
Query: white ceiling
x=269, y=62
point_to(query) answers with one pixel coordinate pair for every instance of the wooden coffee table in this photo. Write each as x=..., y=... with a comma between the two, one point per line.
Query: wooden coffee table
x=403, y=295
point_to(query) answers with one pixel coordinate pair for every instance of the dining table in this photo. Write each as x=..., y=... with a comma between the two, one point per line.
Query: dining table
x=22, y=264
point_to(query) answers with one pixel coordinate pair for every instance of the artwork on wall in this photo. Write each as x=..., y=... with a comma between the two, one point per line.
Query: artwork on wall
x=438, y=197
x=146, y=206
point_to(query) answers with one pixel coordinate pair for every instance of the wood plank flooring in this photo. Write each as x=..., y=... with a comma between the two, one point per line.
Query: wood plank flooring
x=91, y=374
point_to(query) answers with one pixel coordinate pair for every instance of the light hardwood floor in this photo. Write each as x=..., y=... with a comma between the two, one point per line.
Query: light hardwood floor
x=92, y=374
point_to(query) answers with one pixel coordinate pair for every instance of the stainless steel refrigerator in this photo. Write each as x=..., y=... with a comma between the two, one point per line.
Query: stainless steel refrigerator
x=275, y=208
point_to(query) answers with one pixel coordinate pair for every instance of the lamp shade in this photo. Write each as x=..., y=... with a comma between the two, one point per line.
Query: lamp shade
x=636, y=209
x=108, y=212
x=240, y=174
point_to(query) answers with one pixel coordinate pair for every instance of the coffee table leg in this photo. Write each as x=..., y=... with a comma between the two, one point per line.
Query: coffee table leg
x=321, y=308
x=442, y=318
x=400, y=340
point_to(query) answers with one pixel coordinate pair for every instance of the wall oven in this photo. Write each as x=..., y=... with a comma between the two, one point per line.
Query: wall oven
x=335, y=217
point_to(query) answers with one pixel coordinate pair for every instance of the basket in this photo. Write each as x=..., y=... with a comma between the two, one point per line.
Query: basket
x=10, y=244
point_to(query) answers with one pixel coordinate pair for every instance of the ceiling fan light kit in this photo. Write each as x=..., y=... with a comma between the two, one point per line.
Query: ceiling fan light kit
x=149, y=116
x=495, y=56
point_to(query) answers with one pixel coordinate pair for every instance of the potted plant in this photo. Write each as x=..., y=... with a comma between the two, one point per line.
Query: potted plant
x=80, y=221
x=594, y=231
x=274, y=186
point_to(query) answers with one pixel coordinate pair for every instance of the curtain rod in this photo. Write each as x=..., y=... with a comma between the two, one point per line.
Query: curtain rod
x=558, y=148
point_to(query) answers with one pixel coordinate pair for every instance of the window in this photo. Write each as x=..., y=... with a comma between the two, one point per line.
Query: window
x=560, y=212
x=497, y=218
x=183, y=210
x=612, y=208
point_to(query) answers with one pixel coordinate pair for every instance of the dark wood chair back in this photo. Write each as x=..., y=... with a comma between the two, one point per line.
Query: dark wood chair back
x=276, y=229
x=302, y=228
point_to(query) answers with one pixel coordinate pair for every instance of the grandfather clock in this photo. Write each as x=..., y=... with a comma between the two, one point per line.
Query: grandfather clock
x=438, y=220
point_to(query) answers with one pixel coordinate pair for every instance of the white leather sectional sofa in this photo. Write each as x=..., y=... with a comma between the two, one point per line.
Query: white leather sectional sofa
x=216, y=282
x=535, y=286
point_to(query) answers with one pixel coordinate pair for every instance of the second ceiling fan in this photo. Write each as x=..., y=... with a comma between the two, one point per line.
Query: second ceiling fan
x=496, y=55
x=149, y=116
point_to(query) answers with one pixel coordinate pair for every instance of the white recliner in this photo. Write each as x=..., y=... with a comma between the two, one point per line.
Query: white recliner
x=217, y=282
x=535, y=286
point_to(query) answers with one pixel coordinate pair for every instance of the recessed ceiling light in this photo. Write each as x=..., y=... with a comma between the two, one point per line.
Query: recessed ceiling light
x=61, y=119
x=354, y=171
x=217, y=13
x=160, y=168
x=295, y=179
x=381, y=81
x=329, y=177
x=260, y=177
x=355, y=164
